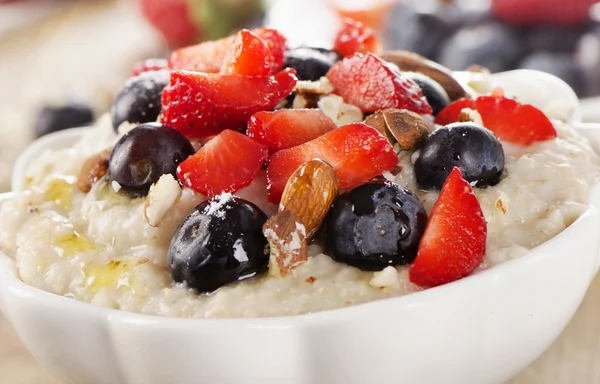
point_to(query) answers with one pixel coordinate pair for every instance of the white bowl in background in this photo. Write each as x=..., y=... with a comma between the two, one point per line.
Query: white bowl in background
x=482, y=329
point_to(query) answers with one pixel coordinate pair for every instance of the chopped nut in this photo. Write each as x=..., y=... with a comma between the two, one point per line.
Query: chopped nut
x=161, y=197
x=309, y=193
x=93, y=169
x=470, y=115
x=310, y=279
x=287, y=239
x=388, y=277
x=409, y=61
x=319, y=87
x=334, y=107
x=401, y=125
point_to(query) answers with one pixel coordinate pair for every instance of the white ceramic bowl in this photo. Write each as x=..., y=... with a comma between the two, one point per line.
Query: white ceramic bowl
x=482, y=329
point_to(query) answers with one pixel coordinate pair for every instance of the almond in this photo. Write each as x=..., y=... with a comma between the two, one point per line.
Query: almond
x=309, y=193
x=409, y=61
x=288, y=242
x=162, y=196
x=406, y=128
x=470, y=115
x=93, y=169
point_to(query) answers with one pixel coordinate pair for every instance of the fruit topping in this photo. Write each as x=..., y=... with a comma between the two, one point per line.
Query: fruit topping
x=406, y=128
x=287, y=242
x=434, y=93
x=309, y=193
x=357, y=152
x=355, y=37
x=375, y=225
x=92, y=170
x=247, y=56
x=511, y=121
x=310, y=64
x=144, y=154
x=161, y=197
x=139, y=100
x=227, y=163
x=334, y=107
x=287, y=128
x=148, y=66
x=200, y=105
x=53, y=119
x=210, y=56
x=219, y=242
x=372, y=84
x=454, y=242
x=468, y=146
x=409, y=61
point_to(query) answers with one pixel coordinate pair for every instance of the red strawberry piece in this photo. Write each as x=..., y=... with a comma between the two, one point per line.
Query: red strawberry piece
x=148, y=66
x=173, y=19
x=357, y=152
x=371, y=84
x=210, y=56
x=247, y=56
x=534, y=12
x=454, y=241
x=287, y=128
x=515, y=123
x=202, y=104
x=355, y=37
x=227, y=163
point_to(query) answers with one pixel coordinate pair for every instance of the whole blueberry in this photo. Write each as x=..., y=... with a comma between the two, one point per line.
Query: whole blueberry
x=375, y=225
x=146, y=153
x=470, y=147
x=219, y=242
x=52, y=119
x=140, y=99
x=310, y=63
x=434, y=93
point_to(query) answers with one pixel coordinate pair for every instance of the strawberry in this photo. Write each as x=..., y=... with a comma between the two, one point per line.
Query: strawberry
x=516, y=123
x=355, y=37
x=203, y=104
x=357, y=152
x=173, y=18
x=227, y=163
x=148, y=66
x=247, y=56
x=371, y=84
x=454, y=241
x=287, y=128
x=210, y=56
x=535, y=12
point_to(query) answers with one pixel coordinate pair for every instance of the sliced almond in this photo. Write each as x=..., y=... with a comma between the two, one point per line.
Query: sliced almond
x=470, y=115
x=406, y=128
x=410, y=61
x=288, y=243
x=93, y=169
x=319, y=87
x=161, y=197
x=309, y=193
x=377, y=121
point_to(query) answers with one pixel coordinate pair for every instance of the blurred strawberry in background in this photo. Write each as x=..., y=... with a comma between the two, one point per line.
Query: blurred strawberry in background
x=531, y=12
x=184, y=22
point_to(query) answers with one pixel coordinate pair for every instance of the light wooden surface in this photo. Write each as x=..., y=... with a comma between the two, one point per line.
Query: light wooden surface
x=573, y=359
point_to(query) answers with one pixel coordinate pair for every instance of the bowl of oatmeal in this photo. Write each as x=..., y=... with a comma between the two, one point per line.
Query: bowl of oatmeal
x=448, y=221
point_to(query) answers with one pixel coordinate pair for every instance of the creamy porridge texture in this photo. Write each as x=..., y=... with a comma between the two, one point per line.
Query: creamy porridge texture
x=208, y=191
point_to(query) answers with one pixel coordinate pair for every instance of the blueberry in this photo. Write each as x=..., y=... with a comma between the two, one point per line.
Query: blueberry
x=310, y=63
x=434, y=93
x=470, y=147
x=146, y=153
x=375, y=225
x=140, y=99
x=493, y=45
x=219, y=242
x=52, y=119
x=558, y=64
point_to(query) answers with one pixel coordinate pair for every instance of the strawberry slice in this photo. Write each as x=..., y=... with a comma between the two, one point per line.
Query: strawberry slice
x=355, y=37
x=515, y=123
x=227, y=163
x=210, y=55
x=247, y=56
x=371, y=84
x=454, y=241
x=357, y=152
x=287, y=128
x=148, y=66
x=203, y=104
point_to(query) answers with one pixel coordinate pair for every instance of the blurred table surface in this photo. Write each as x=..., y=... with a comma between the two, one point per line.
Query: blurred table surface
x=113, y=37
